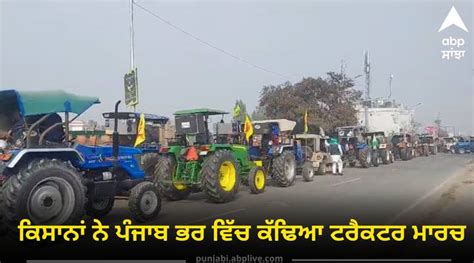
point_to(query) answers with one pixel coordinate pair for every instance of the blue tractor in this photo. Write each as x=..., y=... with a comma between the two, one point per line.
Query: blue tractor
x=463, y=145
x=128, y=123
x=272, y=145
x=355, y=146
x=49, y=179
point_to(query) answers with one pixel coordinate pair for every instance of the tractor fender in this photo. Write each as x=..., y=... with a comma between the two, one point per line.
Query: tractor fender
x=65, y=154
x=285, y=148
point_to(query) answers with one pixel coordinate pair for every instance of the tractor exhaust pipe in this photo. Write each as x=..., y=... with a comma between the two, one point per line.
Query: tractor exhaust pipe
x=115, y=135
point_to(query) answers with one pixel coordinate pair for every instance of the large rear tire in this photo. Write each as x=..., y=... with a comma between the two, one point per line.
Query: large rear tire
x=48, y=192
x=308, y=171
x=144, y=202
x=385, y=156
x=257, y=180
x=3, y=227
x=149, y=161
x=365, y=157
x=284, y=169
x=99, y=207
x=404, y=155
x=220, y=176
x=163, y=179
x=322, y=167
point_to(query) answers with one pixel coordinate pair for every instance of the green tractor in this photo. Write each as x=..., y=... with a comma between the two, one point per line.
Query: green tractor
x=198, y=161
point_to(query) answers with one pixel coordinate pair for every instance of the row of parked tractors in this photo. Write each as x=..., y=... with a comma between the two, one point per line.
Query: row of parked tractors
x=50, y=178
x=375, y=148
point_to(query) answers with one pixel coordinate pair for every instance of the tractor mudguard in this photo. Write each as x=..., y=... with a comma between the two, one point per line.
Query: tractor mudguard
x=64, y=154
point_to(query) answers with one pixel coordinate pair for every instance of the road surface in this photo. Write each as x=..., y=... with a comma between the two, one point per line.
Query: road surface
x=426, y=189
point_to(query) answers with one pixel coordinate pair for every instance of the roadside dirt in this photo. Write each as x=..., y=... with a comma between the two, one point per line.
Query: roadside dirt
x=455, y=205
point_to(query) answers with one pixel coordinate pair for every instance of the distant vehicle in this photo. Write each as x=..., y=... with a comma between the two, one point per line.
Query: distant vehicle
x=463, y=146
x=403, y=146
x=428, y=145
x=448, y=143
x=356, y=147
x=316, y=158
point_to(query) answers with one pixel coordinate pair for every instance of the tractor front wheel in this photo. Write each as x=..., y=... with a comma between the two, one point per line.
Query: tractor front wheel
x=47, y=192
x=284, y=169
x=375, y=158
x=220, y=176
x=257, y=180
x=144, y=202
x=308, y=171
x=99, y=207
x=163, y=179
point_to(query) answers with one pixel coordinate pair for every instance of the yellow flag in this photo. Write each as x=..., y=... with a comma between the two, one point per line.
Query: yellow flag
x=141, y=131
x=237, y=110
x=248, y=128
x=306, y=121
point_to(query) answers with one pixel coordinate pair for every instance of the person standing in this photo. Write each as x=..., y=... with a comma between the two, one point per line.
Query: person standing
x=335, y=150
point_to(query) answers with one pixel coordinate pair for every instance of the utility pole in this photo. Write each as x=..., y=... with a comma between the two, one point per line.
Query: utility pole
x=367, y=87
x=390, y=78
x=132, y=41
x=438, y=123
x=132, y=50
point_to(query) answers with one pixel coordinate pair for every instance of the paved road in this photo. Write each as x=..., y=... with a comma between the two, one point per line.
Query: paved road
x=394, y=193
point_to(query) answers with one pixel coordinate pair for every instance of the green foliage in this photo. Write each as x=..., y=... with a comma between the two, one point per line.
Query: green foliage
x=330, y=102
x=259, y=114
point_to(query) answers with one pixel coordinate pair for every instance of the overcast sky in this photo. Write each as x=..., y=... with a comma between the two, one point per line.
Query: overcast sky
x=83, y=47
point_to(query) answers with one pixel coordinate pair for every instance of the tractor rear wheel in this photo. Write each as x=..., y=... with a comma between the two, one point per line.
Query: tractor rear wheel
x=404, y=155
x=47, y=192
x=163, y=179
x=3, y=228
x=426, y=151
x=385, y=155
x=220, y=176
x=257, y=180
x=365, y=157
x=308, y=171
x=144, y=202
x=284, y=169
x=322, y=167
x=99, y=207
x=149, y=161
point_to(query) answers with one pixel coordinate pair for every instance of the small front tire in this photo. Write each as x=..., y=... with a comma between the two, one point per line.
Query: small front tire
x=308, y=171
x=144, y=202
x=257, y=180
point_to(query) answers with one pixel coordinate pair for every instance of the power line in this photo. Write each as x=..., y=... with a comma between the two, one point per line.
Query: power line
x=204, y=42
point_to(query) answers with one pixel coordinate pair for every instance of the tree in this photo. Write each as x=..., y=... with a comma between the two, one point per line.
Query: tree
x=259, y=114
x=330, y=102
